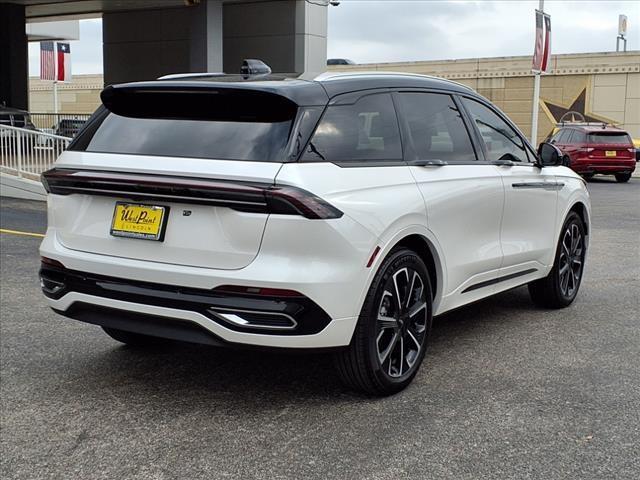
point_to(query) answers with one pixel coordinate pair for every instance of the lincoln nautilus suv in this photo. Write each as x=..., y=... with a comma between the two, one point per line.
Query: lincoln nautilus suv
x=339, y=213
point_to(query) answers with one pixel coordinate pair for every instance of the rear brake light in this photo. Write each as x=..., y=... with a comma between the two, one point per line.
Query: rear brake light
x=631, y=150
x=242, y=196
x=284, y=199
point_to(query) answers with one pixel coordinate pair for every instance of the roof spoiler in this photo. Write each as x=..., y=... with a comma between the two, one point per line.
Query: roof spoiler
x=175, y=100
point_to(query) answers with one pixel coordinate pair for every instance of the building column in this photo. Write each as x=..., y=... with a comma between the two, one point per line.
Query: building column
x=214, y=36
x=289, y=36
x=14, y=67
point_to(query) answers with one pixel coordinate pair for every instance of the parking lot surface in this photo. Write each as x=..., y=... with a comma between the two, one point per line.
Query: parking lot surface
x=507, y=390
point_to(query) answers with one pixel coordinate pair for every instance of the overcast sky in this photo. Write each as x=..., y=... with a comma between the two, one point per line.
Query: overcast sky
x=398, y=30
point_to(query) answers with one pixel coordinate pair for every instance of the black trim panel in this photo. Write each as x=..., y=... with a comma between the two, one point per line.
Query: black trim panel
x=309, y=317
x=493, y=281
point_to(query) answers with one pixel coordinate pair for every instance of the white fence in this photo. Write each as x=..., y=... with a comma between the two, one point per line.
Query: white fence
x=28, y=153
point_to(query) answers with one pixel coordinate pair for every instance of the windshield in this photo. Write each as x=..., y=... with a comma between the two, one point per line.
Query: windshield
x=215, y=139
x=610, y=137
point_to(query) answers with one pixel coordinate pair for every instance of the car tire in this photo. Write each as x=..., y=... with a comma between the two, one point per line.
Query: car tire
x=587, y=176
x=392, y=333
x=133, y=339
x=560, y=287
x=566, y=161
x=623, y=177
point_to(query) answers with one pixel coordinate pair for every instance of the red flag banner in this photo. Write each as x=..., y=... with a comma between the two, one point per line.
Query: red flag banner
x=538, y=51
x=547, y=43
x=64, y=63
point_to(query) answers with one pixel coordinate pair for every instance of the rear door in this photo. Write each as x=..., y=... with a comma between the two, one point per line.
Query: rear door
x=205, y=169
x=464, y=197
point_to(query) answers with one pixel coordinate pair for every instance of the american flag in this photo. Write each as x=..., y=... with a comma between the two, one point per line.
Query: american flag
x=47, y=61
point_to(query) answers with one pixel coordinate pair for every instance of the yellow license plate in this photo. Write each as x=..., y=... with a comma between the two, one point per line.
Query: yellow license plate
x=147, y=222
x=610, y=153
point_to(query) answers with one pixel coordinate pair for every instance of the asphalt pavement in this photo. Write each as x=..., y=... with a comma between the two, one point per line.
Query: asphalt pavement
x=507, y=390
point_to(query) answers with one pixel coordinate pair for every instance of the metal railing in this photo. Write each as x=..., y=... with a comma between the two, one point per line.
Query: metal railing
x=28, y=153
x=64, y=124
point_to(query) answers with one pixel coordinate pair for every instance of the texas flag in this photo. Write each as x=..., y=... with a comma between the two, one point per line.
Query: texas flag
x=63, y=73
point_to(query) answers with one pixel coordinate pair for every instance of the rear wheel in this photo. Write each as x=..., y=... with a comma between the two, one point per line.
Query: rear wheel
x=560, y=287
x=390, y=339
x=133, y=339
x=623, y=177
x=587, y=176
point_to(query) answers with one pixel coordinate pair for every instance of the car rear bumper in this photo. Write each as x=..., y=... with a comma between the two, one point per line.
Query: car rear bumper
x=324, y=314
x=603, y=166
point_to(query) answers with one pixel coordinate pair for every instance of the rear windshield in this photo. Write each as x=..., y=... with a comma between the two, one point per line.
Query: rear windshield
x=609, y=137
x=223, y=140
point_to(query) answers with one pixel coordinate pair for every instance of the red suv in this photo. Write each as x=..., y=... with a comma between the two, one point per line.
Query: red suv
x=589, y=149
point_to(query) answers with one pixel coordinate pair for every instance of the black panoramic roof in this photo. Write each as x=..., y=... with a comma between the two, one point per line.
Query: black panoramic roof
x=303, y=92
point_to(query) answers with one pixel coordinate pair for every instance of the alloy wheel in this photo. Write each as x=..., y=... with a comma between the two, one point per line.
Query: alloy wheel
x=401, y=325
x=571, y=260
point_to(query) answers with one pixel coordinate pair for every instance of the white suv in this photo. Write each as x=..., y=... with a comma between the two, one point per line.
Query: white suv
x=339, y=213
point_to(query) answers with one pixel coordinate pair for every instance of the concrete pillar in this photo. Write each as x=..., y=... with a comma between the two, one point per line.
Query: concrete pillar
x=146, y=44
x=14, y=69
x=214, y=36
x=290, y=36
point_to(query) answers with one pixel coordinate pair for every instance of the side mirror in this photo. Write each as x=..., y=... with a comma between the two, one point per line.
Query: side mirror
x=549, y=155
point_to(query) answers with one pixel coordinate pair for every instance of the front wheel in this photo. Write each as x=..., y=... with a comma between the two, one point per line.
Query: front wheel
x=623, y=177
x=390, y=339
x=560, y=287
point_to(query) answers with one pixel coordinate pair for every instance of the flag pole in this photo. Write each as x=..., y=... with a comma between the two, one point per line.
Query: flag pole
x=55, y=97
x=536, y=99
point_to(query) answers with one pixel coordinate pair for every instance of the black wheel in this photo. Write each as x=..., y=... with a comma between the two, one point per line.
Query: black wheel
x=623, y=177
x=566, y=161
x=587, y=176
x=560, y=287
x=391, y=336
x=133, y=339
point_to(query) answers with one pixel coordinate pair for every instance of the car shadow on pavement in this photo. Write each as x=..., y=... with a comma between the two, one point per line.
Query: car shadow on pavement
x=256, y=379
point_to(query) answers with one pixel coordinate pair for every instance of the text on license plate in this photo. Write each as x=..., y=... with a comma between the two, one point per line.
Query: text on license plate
x=139, y=221
x=610, y=153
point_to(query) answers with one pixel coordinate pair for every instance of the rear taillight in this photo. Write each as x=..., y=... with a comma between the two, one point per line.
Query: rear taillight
x=284, y=199
x=245, y=197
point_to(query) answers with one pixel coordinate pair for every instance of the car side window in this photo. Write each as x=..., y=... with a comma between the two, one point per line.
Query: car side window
x=436, y=127
x=502, y=142
x=579, y=137
x=366, y=131
x=563, y=136
x=571, y=137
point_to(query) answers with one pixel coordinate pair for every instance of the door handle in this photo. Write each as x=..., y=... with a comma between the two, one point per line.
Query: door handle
x=503, y=163
x=542, y=185
x=428, y=163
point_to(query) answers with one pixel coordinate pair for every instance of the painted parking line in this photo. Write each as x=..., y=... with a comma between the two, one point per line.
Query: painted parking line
x=26, y=234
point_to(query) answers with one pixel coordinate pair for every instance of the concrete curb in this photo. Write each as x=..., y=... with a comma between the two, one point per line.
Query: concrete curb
x=14, y=187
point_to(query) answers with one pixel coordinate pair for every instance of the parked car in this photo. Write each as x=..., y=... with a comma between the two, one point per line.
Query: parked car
x=338, y=214
x=14, y=117
x=591, y=149
x=69, y=127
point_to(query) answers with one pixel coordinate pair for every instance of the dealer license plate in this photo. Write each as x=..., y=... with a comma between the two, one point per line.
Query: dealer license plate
x=147, y=222
x=610, y=153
